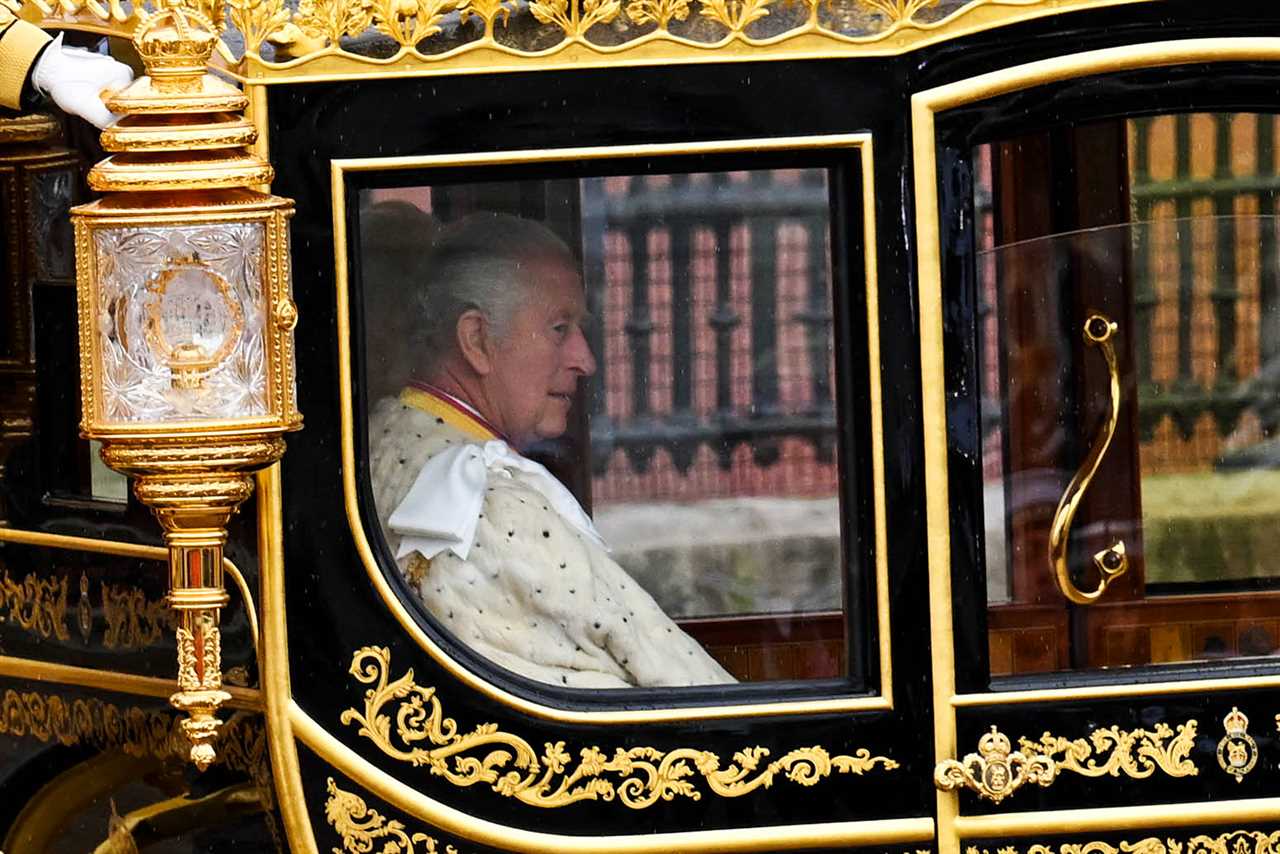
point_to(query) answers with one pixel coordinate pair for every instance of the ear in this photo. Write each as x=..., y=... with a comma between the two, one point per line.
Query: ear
x=475, y=344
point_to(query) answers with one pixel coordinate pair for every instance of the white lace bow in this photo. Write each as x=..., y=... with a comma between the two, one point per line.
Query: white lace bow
x=443, y=506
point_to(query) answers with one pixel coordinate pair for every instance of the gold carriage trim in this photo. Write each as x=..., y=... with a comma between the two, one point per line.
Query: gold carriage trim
x=134, y=621
x=362, y=828
x=52, y=718
x=1137, y=753
x=637, y=776
x=1231, y=842
x=38, y=605
x=312, y=41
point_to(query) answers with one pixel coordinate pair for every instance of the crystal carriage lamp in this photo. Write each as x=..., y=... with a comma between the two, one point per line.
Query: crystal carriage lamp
x=186, y=324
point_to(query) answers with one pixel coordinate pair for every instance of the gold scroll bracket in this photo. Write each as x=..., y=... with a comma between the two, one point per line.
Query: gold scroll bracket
x=1112, y=562
x=996, y=770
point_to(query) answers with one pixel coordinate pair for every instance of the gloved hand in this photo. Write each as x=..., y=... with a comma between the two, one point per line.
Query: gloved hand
x=76, y=79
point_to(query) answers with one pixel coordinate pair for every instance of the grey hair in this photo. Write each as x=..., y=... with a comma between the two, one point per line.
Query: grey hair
x=479, y=263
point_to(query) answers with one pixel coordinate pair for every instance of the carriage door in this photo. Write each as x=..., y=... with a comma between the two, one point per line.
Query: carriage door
x=1109, y=325
x=731, y=661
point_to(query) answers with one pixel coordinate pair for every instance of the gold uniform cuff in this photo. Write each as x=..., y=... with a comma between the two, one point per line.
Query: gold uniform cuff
x=18, y=48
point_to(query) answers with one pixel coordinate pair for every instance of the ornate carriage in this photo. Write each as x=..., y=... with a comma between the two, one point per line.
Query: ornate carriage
x=936, y=400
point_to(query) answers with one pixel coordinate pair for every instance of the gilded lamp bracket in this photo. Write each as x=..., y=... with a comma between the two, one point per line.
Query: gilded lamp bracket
x=186, y=367
x=996, y=771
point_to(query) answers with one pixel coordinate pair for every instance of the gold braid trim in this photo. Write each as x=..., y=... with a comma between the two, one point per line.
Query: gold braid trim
x=511, y=766
x=19, y=44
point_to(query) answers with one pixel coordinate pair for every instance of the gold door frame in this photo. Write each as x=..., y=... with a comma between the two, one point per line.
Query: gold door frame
x=952, y=827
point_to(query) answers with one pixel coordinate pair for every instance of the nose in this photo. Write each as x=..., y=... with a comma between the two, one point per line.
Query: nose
x=580, y=360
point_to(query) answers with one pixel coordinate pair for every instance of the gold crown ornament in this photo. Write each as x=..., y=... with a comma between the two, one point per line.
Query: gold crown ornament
x=1237, y=751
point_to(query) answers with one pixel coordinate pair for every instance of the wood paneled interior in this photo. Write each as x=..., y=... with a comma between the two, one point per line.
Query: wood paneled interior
x=1028, y=639
x=1160, y=630
x=773, y=647
x=1183, y=628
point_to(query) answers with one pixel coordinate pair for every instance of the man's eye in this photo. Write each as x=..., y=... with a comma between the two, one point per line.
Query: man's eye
x=561, y=329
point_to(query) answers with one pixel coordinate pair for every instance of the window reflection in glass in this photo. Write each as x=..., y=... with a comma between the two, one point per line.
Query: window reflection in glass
x=662, y=507
x=1184, y=258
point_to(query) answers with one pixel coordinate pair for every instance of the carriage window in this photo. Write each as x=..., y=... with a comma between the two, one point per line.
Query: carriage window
x=602, y=432
x=1129, y=362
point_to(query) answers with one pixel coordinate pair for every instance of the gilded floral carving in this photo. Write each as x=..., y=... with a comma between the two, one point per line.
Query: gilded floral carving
x=323, y=28
x=559, y=13
x=37, y=604
x=406, y=721
x=133, y=620
x=362, y=828
x=735, y=14
x=1137, y=753
x=660, y=12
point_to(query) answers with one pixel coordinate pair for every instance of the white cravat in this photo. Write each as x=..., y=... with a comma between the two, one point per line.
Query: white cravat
x=443, y=506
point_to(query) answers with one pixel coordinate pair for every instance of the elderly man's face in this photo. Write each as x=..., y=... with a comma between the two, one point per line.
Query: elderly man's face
x=544, y=353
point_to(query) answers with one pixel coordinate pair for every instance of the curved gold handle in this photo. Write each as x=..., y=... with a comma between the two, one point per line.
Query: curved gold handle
x=1112, y=562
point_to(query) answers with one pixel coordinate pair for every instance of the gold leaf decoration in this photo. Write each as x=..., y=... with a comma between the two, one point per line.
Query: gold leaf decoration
x=38, y=605
x=114, y=10
x=257, y=20
x=638, y=776
x=214, y=10
x=487, y=10
x=1231, y=842
x=1135, y=753
x=996, y=770
x=133, y=620
x=315, y=29
x=410, y=21
x=660, y=12
x=330, y=20
x=897, y=11
x=361, y=828
x=735, y=14
x=51, y=718
x=558, y=13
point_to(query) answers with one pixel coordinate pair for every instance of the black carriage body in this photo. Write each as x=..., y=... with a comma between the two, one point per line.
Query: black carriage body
x=954, y=171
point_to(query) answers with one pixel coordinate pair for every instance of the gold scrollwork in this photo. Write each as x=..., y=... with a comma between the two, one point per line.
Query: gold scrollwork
x=52, y=718
x=1135, y=753
x=361, y=828
x=996, y=770
x=512, y=767
x=133, y=620
x=1231, y=842
x=38, y=605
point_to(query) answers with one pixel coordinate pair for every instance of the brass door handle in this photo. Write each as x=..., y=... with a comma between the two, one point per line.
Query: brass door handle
x=996, y=770
x=1112, y=562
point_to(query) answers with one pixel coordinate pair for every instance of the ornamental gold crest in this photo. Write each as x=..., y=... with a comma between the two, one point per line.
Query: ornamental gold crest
x=1237, y=751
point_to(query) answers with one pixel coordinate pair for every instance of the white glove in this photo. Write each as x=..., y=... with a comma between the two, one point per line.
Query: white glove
x=76, y=79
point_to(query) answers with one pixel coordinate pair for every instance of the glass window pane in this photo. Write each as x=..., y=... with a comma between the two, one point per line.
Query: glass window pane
x=636, y=372
x=1170, y=496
